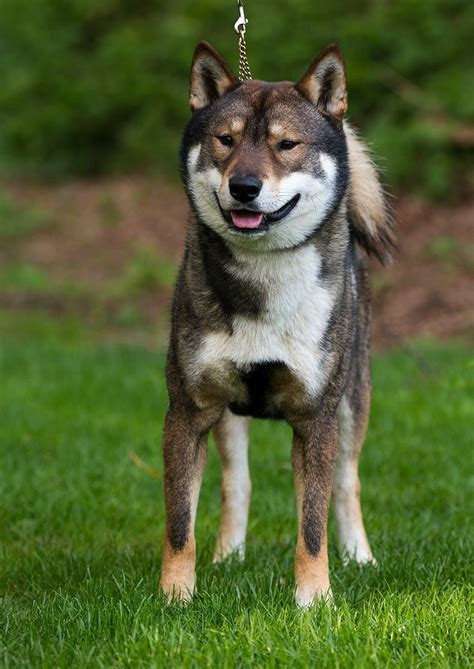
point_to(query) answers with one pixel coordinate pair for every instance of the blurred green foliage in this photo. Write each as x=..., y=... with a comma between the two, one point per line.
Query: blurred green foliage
x=18, y=222
x=23, y=276
x=101, y=85
x=148, y=271
x=450, y=253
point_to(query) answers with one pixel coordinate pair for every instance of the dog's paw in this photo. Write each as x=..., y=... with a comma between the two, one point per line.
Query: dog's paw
x=178, y=590
x=361, y=556
x=307, y=596
x=229, y=550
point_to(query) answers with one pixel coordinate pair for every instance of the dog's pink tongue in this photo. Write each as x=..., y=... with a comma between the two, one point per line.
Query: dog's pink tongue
x=246, y=219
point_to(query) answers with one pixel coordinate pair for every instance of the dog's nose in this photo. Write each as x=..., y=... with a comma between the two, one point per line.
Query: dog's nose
x=245, y=189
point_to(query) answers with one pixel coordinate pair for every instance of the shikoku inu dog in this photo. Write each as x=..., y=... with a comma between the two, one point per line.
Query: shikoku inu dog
x=272, y=308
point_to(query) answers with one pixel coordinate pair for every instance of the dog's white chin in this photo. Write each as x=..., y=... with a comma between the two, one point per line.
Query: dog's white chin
x=317, y=196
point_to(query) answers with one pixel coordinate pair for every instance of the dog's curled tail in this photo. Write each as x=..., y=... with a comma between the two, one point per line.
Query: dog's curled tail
x=372, y=222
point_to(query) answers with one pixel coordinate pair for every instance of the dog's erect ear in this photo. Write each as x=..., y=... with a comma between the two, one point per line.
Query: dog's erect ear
x=324, y=84
x=210, y=77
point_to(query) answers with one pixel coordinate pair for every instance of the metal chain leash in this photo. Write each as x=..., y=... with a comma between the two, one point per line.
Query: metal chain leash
x=240, y=27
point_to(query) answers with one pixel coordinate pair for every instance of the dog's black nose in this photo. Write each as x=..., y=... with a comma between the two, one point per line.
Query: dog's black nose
x=245, y=189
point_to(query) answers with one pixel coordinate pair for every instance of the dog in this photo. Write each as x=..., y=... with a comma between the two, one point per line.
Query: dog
x=271, y=310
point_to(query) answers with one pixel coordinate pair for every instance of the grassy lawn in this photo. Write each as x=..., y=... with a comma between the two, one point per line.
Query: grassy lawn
x=81, y=523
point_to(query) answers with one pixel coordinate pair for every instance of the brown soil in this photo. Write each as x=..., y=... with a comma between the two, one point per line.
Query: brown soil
x=99, y=225
x=428, y=291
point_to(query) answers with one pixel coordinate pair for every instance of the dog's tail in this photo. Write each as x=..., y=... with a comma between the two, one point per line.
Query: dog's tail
x=372, y=222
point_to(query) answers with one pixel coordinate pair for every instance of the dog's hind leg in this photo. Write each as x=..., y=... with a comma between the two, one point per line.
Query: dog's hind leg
x=352, y=427
x=231, y=437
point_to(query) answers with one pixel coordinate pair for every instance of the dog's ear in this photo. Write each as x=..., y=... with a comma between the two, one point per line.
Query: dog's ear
x=211, y=77
x=324, y=84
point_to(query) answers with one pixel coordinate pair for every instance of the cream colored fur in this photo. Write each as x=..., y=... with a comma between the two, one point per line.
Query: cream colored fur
x=353, y=541
x=371, y=216
x=231, y=436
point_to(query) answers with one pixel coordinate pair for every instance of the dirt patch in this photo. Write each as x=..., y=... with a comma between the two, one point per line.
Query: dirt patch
x=429, y=291
x=99, y=224
x=97, y=227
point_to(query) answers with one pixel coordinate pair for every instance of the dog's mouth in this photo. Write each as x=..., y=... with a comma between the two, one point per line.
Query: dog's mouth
x=249, y=222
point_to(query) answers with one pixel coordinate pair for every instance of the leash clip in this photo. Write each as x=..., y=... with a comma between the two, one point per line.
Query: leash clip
x=240, y=25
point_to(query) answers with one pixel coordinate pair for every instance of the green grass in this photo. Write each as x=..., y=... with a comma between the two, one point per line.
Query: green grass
x=23, y=276
x=451, y=253
x=17, y=222
x=145, y=272
x=81, y=524
x=117, y=303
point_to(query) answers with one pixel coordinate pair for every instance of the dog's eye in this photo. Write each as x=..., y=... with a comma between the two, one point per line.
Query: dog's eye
x=287, y=145
x=226, y=140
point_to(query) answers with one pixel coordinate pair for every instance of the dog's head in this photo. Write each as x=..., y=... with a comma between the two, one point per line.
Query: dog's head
x=265, y=163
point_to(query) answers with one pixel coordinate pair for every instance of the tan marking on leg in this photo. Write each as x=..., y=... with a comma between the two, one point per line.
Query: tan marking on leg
x=312, y=574
x=311, y=571
x=353, y=540
x=178, y=566
x=177, y=571
x=231, y=436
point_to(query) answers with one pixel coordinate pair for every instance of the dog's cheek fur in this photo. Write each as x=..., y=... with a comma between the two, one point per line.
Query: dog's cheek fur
x=203, y=185
x=319, y=193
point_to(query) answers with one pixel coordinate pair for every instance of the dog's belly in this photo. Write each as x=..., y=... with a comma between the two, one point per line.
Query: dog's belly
x=266, y=388
x=253, y=345
x=257, y=372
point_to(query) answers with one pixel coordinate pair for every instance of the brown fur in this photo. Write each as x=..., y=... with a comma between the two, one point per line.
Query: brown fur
x=220, y=287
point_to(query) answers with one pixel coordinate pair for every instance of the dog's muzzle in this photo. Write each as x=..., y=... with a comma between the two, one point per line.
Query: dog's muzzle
x=249, y=221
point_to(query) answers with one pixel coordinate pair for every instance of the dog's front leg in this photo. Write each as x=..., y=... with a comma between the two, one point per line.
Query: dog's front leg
x=185, y=451
x=314, y=457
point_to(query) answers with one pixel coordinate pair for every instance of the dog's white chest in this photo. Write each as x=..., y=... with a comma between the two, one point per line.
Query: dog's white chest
x=290, y=329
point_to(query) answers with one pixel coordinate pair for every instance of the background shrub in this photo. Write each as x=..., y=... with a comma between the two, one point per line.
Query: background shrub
x=92, y=86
